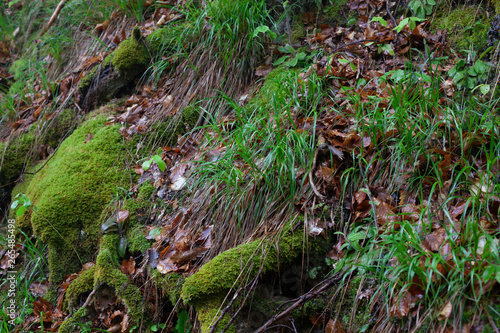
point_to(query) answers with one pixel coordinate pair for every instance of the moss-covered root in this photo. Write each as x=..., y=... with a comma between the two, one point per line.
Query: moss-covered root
x=71, y=324
x=216, y=278
x=106, y=272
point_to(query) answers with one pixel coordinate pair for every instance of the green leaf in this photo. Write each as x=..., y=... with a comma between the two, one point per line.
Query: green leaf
x=286, y=49
x=431, y=2
x=109, y=226
x=182, y=320
x=14, y=205
x=301, y=56
x=159, y=152
x=280, y=60
x=154, y=328
x=162, y=166
x=343, y=61
x=379, y=20
x=20, y=211
x=147, y=164
x=122, y=247
x=402, y=24
x=263, y=29
x=484, y=88
x=480, y=67
x=154, y=232
x=159, y=162
x=292, y=63
x=387, y=48
x=353, y=67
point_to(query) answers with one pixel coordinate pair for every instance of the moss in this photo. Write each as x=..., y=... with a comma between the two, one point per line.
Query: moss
x=70, y=324
x=219, y=275
x=343, y=306
x=82, y=284
x=137, y=242
x=467, y=26
x=161, y=41
x=170, y=284
x=298, y=32
x=85, y=81
x=209, y=312
x=15, y=154
x=131, y=57
x=72, y=190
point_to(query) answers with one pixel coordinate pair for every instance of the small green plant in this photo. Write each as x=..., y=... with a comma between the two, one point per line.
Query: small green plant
x=422, y=8
x=22, y=203
x=157, y=159
x=470, y=77
x=293, y=56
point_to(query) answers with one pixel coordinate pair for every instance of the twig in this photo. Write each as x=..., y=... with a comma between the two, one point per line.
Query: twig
x=87, y=301
x=300, y=301
x=53, y=17
x=252, y=287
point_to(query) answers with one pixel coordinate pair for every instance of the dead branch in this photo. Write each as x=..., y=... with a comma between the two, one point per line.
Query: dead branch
x=325, y=284
x=53, y=17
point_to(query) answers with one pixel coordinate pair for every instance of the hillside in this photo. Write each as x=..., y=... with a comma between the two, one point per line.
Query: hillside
x=249, y=166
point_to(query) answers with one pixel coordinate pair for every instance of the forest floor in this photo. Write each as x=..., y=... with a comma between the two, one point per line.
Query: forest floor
x=299, y=166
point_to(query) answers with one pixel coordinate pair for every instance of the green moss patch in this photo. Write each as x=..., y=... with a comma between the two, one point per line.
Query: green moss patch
x=219, y=275
x=467, y=26
x=71, y=191
x=131, y=57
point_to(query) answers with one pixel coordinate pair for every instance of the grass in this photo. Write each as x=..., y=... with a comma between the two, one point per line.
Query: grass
x=423, y=151
x=258, y=162
x=31, y=266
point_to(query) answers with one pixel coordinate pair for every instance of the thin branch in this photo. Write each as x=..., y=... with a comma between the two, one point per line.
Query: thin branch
x=300, y=301
x=53, y=17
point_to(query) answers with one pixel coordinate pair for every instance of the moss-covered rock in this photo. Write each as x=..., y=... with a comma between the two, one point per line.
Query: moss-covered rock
x=168, y=131
x=84, y=283
x=467, y=26
x=117, y=70
x=219, y=274
x=207, y=288
x=72, y=189
x=131, y=57
x=108, y=272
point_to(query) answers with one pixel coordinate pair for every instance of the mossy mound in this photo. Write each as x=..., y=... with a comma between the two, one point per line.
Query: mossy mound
x=467, y=26
x=131, y=57
x=71, y=191
x=115, y=73
x=105, y=272
x=242, y=263
x=168, y=131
